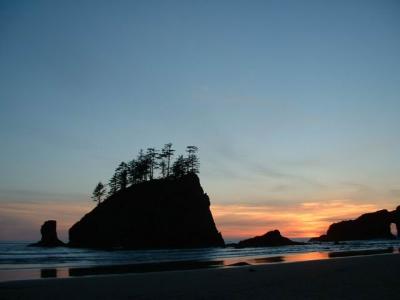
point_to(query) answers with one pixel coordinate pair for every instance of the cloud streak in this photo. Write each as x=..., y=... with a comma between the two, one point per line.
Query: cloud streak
x=22, y=220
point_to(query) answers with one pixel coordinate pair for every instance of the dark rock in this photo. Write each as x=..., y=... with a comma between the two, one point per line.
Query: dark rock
x=270, y=239
x=49, y=235
x=322, y=238
x=162, y=213
x=239, y=264
x=374, y=225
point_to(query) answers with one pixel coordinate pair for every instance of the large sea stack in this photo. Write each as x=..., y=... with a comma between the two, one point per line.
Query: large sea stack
x=162, y=213
x=375, y=225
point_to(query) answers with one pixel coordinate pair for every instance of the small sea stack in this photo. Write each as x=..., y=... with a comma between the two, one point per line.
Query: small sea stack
x=270, y=239
x=49, y=235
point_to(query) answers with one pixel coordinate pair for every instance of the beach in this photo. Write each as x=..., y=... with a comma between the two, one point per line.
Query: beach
x=361, y=277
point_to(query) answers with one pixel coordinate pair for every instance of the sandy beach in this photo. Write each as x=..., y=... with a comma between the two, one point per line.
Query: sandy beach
x=366, y=277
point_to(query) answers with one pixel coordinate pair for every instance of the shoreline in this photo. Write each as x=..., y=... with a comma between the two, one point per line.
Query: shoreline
x=367, y=277
x=35, y=273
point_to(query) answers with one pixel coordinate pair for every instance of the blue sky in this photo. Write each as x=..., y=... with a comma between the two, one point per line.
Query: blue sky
x=288, y=101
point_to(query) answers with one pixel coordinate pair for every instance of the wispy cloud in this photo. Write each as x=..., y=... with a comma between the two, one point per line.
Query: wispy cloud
x=22, y=220
x=395, y=192
x=266, y=171
x=233, y=163
x=37, y=195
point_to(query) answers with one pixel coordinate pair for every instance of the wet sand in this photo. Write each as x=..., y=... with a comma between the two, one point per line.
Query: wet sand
x=364, y=277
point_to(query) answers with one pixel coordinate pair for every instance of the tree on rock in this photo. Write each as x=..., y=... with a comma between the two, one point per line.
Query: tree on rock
x=192, y=161
x=162, y=165
x=167, y=152
x=151, y=156
x=99, y=192
x=153, y=164
x=179, y=167
x=133, y=176
x=113, y=185
x=122, y=176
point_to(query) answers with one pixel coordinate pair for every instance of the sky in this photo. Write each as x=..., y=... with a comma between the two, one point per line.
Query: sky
x=294, y=106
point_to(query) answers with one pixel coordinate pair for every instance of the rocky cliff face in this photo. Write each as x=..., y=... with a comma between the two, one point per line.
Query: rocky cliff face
x=164, y=213
x=374, y=225
x=49, y=235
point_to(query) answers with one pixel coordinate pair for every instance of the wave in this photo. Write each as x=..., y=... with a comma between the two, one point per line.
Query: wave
x=16, y=255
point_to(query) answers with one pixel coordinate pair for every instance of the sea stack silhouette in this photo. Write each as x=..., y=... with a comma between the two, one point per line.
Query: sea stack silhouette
x=375, y=225
x=155, y=214
x=270, y=239
x=49, y=235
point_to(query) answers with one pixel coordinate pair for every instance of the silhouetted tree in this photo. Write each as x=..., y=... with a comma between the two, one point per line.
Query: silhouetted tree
x=167, y=152
x=142, y=166
x=192, y=161
x=133, y=176
x=162, y=166
x=151, y=156
x=179, y=167
x=98, y=193
x=113, y=185
x=122, y=176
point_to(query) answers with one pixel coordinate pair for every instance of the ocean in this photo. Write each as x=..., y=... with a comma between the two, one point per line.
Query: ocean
x=20, y=262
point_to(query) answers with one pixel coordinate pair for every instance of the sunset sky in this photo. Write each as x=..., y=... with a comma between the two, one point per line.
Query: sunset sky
x=294, y=105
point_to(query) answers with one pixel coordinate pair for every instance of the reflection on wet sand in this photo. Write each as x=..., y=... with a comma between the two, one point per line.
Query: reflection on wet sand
x=145, y=267
x=231, y=262
x=298, y=257
x=182, y=265
x=240, y=261
x=268, y=260
x=361, y=252
x=306, y=256
x=54, y=273
x=48, y=273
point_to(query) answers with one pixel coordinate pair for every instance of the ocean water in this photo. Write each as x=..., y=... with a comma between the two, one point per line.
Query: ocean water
x=18, y=261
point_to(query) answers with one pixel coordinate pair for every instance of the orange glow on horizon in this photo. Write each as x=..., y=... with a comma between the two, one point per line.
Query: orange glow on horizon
x=308, y=219
x=22, y=220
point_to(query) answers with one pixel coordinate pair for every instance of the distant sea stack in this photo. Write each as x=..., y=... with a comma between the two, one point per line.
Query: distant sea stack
x=49, y=235
x=369, y=226
x=270, y=239
x=162, y=213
